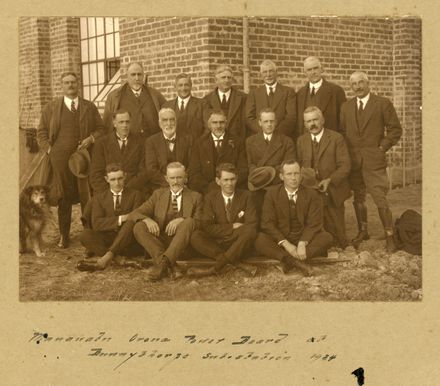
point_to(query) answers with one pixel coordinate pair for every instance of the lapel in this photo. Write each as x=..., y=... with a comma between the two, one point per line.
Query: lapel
x=190, y=111
x=56, y=118
x=236, y=206
x=324, y=95
x=302, y=97
x=225, y=148
x=132, y=143
x=278, y=95
x=113, y=146
x=108, y=202
x=162, y=206
x=261, y=98
x=214, y=100
x=305, y=143
x=351, y=111
x=368, y=112
x=300, y=204
x=220, y=208
x=162, y=150
x=234, y=104
x=273, y=147
x=283, y=205
x=83, y=111
x=125, y=201
x=207, y=148
x=325, y=140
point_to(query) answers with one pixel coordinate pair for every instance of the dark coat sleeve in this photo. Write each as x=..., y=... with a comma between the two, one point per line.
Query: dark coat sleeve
x=313, y=216
x=210, y=220
x=44, y=128
x=197, y=180
x=146, y=209
x=97, y=130
x=343, y=162
x=287, y=125
x=97, y=169
x=100, y=220
x=152, y=165
x=392, y=125
x=251, y=112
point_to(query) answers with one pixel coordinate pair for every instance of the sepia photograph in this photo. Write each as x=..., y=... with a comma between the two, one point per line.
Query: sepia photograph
x=220, y=158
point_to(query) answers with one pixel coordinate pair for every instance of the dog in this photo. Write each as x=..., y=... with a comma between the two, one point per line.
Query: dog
x=34, y=216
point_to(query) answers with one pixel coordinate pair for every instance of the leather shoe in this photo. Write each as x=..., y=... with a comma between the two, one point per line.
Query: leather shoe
x=361, y=236
x=159, y=271
x=176, y=272
x=88, y=266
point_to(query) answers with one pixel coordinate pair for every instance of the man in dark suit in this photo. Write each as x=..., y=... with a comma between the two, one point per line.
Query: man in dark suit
x=268, y=148
x=168, y=217
x=325, y=151
x=272, y=94
x=371, y=128
x=165, y=147
x=291, y=222
x=188, y=109
x=213, y=148
x=319, y=92
x=229, y=223
x=67, y=124
x=111, y=232
x=229, y=100
x=143, y=103
x=120, y=146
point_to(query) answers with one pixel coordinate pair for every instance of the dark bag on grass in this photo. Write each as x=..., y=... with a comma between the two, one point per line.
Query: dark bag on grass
x=408, y=232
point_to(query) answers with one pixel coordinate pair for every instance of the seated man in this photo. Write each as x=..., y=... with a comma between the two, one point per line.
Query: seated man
x=111, y=232
x=120, y=146
x=213, y=148
x=168, y=217
x=229, y=223
x=165, y=147
x=291, y=222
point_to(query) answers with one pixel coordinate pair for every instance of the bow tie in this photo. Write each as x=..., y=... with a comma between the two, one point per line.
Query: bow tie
x=170, y=140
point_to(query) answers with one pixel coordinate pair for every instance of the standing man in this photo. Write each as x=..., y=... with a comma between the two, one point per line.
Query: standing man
x=291, y=222
x=371, y=128
x=272, y=94
x=327, y=96
x=188, y=109
x=229, y=223
x=120, y=146
x=165, y=147
x=168, y=217
x=229, y=100
x=213, y=148
x=111, y=232
x=325, y=151
x=141, y=101
x=67, y=124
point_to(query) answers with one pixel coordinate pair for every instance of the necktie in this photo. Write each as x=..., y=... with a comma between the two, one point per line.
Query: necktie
x=171, y=143
x=73, y=107
x=117, y=203
x=174, y=203
x=224, y=103
x=361, y=107
x=271, y=94
x=137, y=94
x=292, y=198
x=228, y=210
x=218, y=144
x=182, y=106
x=312, y=92
x=360, y=113
x=267, y=140
x=124, y=145
x=315, y=142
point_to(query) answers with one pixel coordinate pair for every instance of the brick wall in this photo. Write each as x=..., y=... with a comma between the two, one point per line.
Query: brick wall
x=388, y=49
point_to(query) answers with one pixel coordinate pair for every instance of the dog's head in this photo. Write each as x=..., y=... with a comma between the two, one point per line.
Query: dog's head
x=36, y=195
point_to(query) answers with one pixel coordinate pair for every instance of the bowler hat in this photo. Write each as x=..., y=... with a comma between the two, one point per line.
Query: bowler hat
x=79, y=163
x=261, y=177
x=309, y=178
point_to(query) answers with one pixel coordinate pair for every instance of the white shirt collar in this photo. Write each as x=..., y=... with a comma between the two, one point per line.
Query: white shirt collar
x=319, y=136
x=227, y=93
x=290, y=193
x=268, y=136
x=179, y=193
x=217, y=138
x=117, y=194
x=272, y=86
x=364, y=100
x=226, y=198
x=120, y=139
x=166, y=138
x=185, y=100
x=139, y=92
x=68, y=102
x=316, y=85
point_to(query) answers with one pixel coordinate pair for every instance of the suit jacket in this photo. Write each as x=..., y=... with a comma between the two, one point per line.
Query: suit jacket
x=103, y=213
x=215, y=222
x=204, y=160
x=194, y=125
x=236, y=119
x=333, y=162
x=329, y=99
x=107, y=150
x=90, y=122
x=280, y=148
x=381, y=127
x=156, y=156
x=284, y=105
x=113, y=100
x=275, y=219
x=156, y=207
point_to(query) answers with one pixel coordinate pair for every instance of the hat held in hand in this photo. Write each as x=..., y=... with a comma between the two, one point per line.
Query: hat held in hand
x=309, y=178
x=261, y=177
x=79, y=163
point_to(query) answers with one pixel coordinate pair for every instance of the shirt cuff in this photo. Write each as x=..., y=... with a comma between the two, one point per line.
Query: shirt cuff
x=93, y=138
x=281, y=242
x=119, y=221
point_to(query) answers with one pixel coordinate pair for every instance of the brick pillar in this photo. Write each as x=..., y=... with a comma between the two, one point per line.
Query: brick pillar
x=408, y=98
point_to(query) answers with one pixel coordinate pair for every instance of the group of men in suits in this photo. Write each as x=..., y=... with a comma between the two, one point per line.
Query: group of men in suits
x=263, y=138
